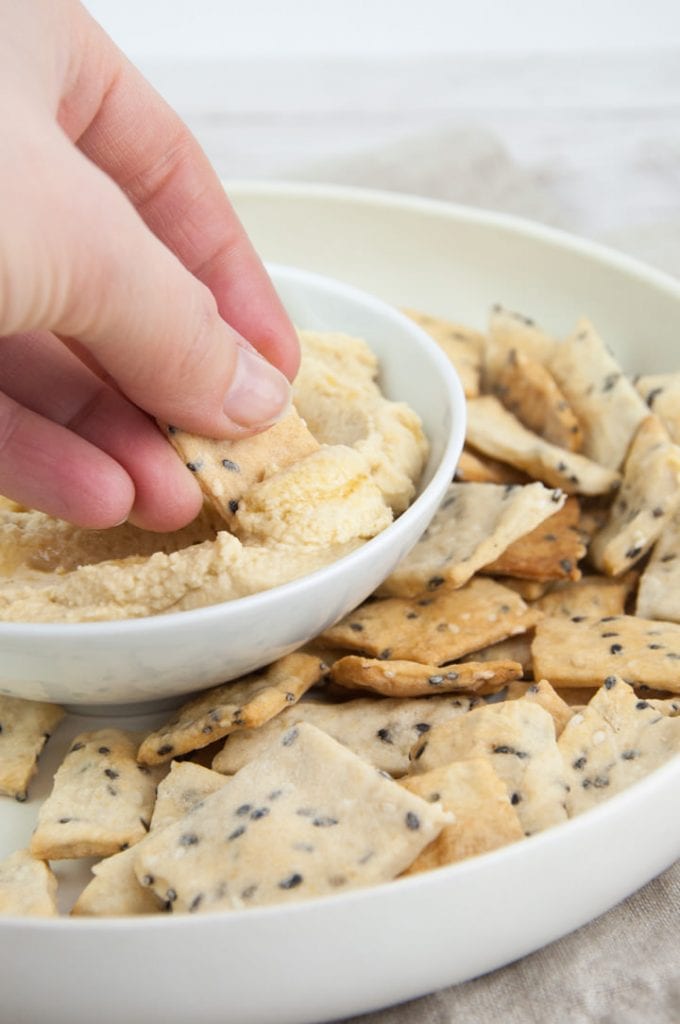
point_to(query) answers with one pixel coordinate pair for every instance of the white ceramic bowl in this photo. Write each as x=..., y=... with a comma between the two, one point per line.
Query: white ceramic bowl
x=326, y=959
x=142, y=661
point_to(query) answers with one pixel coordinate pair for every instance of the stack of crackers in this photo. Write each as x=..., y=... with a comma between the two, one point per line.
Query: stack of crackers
x=520, y=665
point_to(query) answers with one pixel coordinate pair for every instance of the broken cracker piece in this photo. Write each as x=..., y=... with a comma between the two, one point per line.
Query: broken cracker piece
x=27, y=886
x=550, y=551
x=412, y=679
x=25, y=727
x=101, y=800
x=474, y=525
x=498, y=433
x=244, y=703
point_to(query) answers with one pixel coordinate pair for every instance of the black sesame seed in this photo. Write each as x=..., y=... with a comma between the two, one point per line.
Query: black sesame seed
x=422, y=727
x=566, y=564
x=64, y=821
x=655, y=647
x=233, y=506
x=577, y=618
x=195, y=903
x=641, y=705
x=634, y=551
x=323, y=821
x=657, y=512
x=515, y=799
x=236, y=833
x=171, y=895
x=291, y=882
x=412, y=821
x=244, y=809
x=104, y=750
x=166, y=748
x=609, y=682
x=111, y=773
x=434, y=582
x=385, y=655
x=605, y=635
x=384, y=735
x=188, y=839
x=233, y=467
x=615, y=649
x=412, y=615
x=579, y=763
x=629, y=755
x=148, y=880
x=194, y=466
x=356, y=627
x=290, y=737
x=259, y=812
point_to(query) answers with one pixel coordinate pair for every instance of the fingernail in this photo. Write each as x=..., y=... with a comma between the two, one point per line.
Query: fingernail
x=259, y=394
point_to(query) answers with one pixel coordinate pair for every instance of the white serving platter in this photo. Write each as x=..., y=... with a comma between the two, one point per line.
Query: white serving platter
x=333, y=957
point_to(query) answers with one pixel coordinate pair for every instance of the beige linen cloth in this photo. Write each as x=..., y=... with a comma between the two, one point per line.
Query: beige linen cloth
x=624, y=967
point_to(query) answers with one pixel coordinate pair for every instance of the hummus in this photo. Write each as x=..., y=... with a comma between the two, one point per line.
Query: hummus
x=363, y=471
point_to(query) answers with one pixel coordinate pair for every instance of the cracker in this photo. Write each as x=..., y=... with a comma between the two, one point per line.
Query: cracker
x=498, y=433
x=412, y=679
x=614, y=741
x=515, y=649
x=462, y=345
x=661, y=392
x=581, y=651
x=306, y=818
x=658, y=595
x=101, y=801
x=473, y=526
x=381, y=731
x=591, y=595
x=518, y=737
x=182, y=789
x=27, y=886
x=114, y=891
x=473, y=467
x=528, y=590
x=529, y=391
x=226, y=469
x=511, y=330
x=649, y=495
x=544, y=695
x=484, y=818
x=550, y=551
x=25, y=727
x=435, y=629
x=244, y=703
x=604, y=399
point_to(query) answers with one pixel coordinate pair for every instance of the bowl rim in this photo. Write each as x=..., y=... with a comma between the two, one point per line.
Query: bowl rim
x=441, y=477
x=242, y=188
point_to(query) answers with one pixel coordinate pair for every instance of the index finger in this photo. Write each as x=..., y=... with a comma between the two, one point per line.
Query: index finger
x=121, y=123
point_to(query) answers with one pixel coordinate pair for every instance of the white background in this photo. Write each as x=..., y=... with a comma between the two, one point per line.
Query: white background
x=566, y=112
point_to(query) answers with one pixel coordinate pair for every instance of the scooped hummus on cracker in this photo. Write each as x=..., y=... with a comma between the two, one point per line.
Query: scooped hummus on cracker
x=278, y=505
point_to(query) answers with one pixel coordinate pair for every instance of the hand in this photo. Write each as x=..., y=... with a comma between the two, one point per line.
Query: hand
x=128, y=288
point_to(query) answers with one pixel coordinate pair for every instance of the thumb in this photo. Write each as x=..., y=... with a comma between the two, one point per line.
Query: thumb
x=77, y=259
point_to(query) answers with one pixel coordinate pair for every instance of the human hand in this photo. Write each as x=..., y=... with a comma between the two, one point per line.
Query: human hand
x=128, y=288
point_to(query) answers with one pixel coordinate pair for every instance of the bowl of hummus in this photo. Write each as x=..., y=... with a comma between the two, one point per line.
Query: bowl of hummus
x=300, y=524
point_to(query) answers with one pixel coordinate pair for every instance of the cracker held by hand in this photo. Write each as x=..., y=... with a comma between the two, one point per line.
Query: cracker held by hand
x=27, y=886
x=381, y=731
x=582, y=651
x=614, y=741
x=483, y=817
x=245, y=703
x=649, y=496
x=305, y=819
x=101, y=800
x=226, y=469
x=518, y=737
x=498, y=433
x=412, y=679
x=434, y=629
x=474, y=525
x=25, y=727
